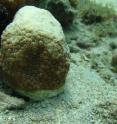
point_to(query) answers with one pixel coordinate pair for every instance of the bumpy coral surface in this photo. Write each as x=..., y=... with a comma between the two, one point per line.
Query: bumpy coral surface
x=35, y=55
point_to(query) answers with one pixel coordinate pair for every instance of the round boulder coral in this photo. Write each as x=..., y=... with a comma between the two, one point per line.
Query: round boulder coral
x=35, y=55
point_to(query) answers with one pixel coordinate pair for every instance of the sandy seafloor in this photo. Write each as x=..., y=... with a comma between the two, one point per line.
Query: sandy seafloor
x=89, y=96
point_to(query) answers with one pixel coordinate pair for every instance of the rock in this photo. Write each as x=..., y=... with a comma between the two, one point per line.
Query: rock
x=35, y=54
x=85, y=45
x=9, y=102
x=113, y=44
x=62, y=10
x=114, y=60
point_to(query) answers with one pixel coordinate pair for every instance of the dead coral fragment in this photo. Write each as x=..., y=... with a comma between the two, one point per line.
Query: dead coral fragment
x=8, y=102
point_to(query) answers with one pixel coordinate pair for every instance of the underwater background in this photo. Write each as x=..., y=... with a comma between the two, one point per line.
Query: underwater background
x=58, y=64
